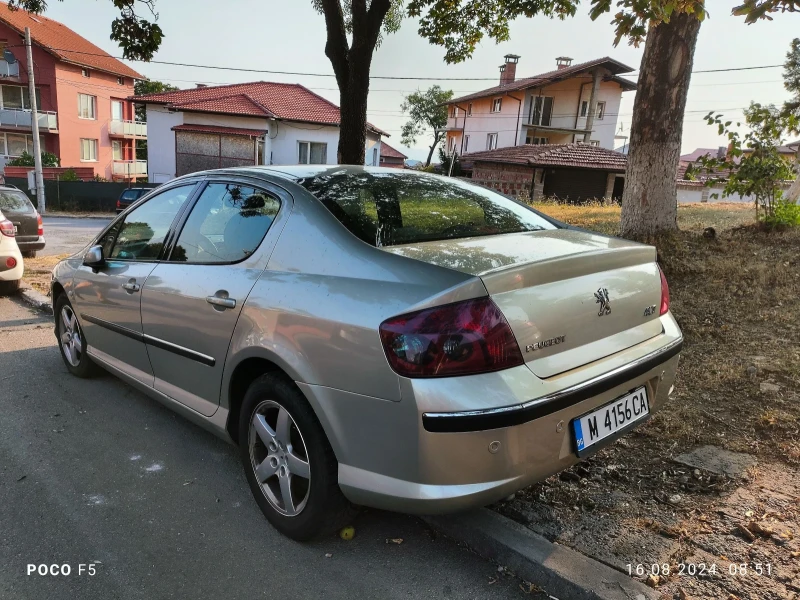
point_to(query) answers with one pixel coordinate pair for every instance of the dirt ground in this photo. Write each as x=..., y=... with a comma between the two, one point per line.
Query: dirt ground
x=38, y=272
x=689, y=532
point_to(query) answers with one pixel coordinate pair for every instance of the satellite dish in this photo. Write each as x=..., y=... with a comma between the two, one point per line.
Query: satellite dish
x=9, y=57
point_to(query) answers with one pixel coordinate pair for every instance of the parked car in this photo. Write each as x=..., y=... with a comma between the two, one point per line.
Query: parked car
x=26, y=219
x=11, y=264
x=372, y=336
x=129, y=196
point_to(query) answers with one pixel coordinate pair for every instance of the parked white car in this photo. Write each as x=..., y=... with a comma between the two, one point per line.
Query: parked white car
x=11, y=266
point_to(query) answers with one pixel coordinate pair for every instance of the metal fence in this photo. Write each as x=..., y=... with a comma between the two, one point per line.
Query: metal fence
x=78, y=196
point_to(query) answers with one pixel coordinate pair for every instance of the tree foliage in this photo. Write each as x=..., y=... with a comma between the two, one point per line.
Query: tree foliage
x=148, y=86
x=138, y=37
x=427, y=114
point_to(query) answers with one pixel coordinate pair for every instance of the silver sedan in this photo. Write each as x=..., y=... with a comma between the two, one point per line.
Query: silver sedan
x=372, y=336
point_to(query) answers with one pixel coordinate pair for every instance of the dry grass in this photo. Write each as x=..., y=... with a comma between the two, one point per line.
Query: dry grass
x=38, y=271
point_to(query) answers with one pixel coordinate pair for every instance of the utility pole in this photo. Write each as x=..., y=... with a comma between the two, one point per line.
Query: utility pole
x=37, y=150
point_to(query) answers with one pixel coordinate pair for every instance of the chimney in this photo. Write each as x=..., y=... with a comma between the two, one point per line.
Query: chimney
x=562, y=62
x=722, y=152
x=201, y=85
x=508, y=71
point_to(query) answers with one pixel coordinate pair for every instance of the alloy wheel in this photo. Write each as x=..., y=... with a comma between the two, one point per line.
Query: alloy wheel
x=279, y=458
x=70, y=337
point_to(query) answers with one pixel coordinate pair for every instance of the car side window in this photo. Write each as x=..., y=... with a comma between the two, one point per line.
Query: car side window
x=140, y=236
x=226, y=225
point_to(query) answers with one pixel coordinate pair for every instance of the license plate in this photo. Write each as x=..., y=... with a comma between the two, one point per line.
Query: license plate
x=15, y=230
x=609, y=420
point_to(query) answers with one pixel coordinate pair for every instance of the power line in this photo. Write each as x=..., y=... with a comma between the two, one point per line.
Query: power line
x=387, y=77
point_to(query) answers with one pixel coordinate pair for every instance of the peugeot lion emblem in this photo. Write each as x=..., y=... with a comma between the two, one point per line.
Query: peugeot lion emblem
x=601, y=298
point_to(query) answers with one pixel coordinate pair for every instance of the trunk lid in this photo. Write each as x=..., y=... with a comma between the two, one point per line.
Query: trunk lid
x=570, y=297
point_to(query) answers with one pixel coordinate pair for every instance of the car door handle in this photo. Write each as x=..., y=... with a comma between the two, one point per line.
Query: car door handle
x=131, y=287
x=222, y=303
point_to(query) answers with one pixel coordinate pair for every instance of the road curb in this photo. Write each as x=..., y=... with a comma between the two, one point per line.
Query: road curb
x=69, y=216
x=562, y=572
x=36, y=299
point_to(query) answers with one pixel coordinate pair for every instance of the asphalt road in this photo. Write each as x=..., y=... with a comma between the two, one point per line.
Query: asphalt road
x=91, y=471
x=68, y=235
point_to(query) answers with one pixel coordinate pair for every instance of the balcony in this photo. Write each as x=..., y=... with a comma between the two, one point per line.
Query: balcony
x=21, y=118
x=129, y=169
x=127, y=129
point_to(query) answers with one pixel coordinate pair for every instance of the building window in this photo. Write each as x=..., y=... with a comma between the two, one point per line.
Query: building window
x=86, y=106
x=469, y=109
x=85, y=72
x=453, y=144
x=466, y=142
x=117, y=111
x=541, y=110
x=312, y=153
x=88, y=150
x=584, y=108
x=120, y=80
x=491, y=141
x=116, y=150
x=601, y=110
x=17, y=97
x=454, y=112
x=497, y=104
x=14, y=144
x=374, y=157
x=594, y=142
x=537, y=141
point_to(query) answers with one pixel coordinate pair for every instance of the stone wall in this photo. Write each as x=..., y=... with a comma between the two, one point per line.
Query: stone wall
x=514, y=180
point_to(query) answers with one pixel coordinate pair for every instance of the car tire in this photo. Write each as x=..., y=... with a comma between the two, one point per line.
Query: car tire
x=9, y=287
x=73, y=352
x=273, y=461
x=29, y=254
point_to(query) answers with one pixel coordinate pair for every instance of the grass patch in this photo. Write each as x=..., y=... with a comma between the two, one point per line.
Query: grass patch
x=38, y=271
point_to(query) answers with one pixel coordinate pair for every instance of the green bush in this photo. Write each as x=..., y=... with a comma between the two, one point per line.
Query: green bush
x=69, y=175
x=784, y=214
x=26, y=160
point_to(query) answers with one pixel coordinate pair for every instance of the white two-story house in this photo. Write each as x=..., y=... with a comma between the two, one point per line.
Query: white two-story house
x=259, y=123
x=574, y=103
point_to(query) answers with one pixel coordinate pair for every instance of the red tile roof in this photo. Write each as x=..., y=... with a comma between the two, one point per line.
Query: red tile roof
x=217, y=130
x=63, y=43
x=288, y=101
x=388, y=152
x=542, y=79
x=584, y=156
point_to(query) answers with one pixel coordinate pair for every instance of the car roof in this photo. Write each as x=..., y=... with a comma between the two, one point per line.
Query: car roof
x=297, y=172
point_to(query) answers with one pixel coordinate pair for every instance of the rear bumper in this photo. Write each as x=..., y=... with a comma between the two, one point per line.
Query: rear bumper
x=15, y=272
x=31, y=243
x=438, y=450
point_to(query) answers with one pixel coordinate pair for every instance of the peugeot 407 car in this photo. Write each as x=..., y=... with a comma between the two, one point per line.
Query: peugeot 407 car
x=371, y=336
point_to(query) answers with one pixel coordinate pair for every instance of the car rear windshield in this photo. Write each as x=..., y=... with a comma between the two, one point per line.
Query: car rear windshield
x=12, y=202
x=387, y=209
x=130, y=195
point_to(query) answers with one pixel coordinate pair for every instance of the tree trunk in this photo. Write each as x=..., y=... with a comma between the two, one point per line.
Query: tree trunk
x=353, y=109
x=650, y=199
x=436, y=139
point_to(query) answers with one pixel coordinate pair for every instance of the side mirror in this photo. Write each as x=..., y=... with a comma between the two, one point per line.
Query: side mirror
x=94, y=257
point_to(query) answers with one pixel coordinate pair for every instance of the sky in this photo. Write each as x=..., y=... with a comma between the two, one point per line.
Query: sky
x=289, y=35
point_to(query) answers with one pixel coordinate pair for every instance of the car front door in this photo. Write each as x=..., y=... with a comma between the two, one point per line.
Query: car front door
x=192, y=300
x=108, y=298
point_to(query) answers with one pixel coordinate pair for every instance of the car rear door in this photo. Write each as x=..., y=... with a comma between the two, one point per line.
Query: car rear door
x=192, y=300
x=108, y=298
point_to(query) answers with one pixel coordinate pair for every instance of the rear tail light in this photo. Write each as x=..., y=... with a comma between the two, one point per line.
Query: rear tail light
x=40, y=231
x=463, y=338
x=11, y=262
x=119, y=204
x=664, y=294
x=7, y=228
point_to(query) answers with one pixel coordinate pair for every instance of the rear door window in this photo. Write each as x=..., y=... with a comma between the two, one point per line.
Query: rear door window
x=12, y=202
x=226, y=225
x=396, y=209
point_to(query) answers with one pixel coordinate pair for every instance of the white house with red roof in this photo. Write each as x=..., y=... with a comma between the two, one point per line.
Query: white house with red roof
x=243, y=124
x=573, y=103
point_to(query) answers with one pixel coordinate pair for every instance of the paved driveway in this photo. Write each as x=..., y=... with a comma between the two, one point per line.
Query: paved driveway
x=68, y=235
x=93, y=471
